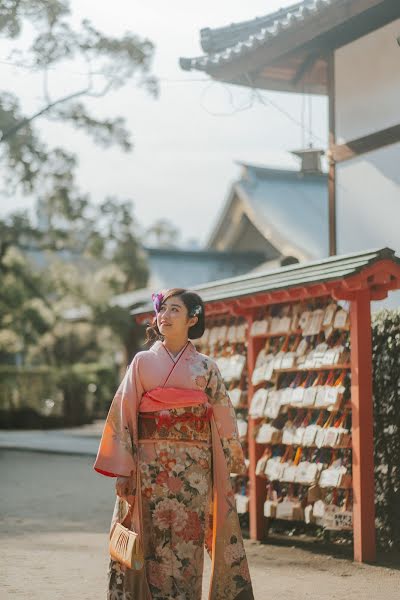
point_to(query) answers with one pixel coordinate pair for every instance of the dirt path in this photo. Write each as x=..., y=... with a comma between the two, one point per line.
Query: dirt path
x=54, y=519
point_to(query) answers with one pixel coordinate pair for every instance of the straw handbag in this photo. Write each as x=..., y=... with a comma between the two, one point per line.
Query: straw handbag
x=125, y=545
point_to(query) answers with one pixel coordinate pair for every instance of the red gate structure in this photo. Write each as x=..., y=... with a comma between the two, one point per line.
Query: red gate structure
x=352, y=280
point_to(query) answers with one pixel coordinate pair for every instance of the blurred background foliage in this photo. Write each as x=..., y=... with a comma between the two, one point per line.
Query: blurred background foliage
x=46, y=397
x=386, y=388
x=55, y=308
x=62, y=261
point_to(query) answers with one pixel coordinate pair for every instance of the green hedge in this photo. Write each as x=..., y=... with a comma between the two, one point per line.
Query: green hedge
x=54, y=397
x=386, y=388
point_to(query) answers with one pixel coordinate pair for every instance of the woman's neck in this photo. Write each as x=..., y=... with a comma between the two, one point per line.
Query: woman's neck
x=175, y=346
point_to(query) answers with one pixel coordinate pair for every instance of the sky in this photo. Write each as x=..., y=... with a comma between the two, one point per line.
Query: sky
x=188, y=141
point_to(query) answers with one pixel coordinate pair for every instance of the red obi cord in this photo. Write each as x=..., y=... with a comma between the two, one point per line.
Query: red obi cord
x=164, y=418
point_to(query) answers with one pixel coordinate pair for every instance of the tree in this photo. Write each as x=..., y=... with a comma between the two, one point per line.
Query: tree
x=76, y=260
x=25, y=312
x=109, y=64
x=164, y=233
x=90, y=252
x=118, y=230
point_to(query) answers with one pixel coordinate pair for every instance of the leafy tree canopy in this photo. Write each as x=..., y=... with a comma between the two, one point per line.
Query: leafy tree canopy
x=109, y=63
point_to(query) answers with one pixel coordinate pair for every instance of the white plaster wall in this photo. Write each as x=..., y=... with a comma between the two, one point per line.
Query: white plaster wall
x=367, y=84
x=367, y=99
x=368, y=200
x=368, y=203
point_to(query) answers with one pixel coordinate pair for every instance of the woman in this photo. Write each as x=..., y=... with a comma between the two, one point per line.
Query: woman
x=171, y=427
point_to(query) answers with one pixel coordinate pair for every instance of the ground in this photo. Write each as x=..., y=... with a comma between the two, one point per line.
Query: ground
x=54, y=520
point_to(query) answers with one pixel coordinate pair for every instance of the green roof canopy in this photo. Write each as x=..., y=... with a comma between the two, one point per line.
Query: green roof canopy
x=338, y=271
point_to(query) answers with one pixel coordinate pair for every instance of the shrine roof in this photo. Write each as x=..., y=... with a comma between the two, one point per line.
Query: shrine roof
x=225, y=44
x=287, y=50
x=339, y=269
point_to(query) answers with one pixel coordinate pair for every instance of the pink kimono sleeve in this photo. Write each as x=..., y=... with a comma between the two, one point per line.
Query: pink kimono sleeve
x=116, y=456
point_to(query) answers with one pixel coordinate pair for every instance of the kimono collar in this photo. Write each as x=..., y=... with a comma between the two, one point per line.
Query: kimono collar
x=176, y=357
x=158, y=346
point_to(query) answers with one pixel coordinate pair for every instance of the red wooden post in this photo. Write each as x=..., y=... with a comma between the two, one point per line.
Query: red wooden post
x=363, y=436
x=257, y=485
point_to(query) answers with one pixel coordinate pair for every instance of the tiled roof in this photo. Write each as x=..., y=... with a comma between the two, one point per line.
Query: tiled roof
x=225, y=44
x=171, y=267
x=294, y=204
x=289, y=208
x=184, y=268
x=329, y=269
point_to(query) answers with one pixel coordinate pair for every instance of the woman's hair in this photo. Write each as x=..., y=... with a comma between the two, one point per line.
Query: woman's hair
x=195, y=307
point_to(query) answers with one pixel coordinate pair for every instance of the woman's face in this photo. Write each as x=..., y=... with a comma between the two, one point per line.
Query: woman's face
x=173, y=320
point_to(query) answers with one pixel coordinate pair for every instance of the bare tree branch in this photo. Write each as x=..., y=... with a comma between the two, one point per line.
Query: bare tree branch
x=42, y=111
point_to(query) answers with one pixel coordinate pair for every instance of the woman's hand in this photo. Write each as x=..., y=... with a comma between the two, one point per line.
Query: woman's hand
x=125, y=488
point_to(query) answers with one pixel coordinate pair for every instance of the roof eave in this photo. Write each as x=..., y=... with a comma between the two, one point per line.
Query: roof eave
x=305, y=277
x=316, y=30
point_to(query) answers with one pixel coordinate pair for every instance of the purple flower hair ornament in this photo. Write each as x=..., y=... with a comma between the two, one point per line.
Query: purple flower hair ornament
x=157, y=301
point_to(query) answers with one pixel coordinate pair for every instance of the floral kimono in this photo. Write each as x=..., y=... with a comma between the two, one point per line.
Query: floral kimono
x=172, y=428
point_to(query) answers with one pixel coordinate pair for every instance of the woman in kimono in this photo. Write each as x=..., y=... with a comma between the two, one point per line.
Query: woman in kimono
x=171, y=440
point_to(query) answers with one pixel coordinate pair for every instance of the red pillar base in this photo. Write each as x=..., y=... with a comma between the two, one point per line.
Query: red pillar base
x=363, y=440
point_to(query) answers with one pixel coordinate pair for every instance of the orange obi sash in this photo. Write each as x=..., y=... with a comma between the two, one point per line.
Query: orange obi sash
x=162, y=400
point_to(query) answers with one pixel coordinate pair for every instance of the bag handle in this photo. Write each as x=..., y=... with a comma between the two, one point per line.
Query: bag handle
x=131, y=506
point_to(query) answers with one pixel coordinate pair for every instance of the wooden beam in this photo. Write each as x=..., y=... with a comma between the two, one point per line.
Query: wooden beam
x=362, y=429
x=380, y=276
x=374, y=16
x=305, y=67
x=257, y=484
x=379, y=294
x=367, y=143
x=261, y=81
x=332, y=167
